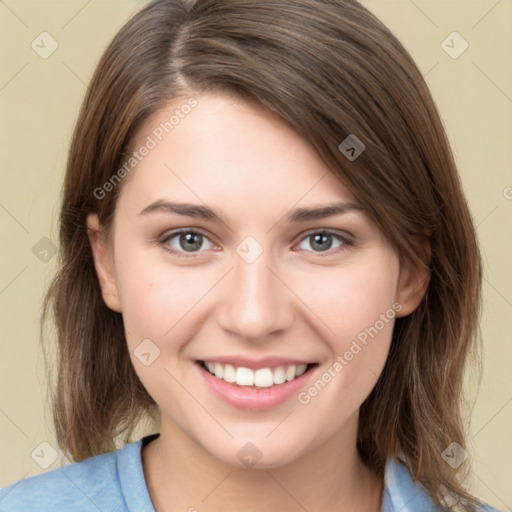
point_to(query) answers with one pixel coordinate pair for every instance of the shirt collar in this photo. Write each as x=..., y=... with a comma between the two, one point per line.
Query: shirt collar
x=401, y=493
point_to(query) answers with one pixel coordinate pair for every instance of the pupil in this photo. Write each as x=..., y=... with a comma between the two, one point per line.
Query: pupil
x=192, y=241
x=320, y=239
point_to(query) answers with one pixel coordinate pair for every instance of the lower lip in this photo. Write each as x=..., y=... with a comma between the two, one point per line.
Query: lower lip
x=253, y=398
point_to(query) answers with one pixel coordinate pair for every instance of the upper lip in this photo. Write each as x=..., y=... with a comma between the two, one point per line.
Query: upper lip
x=254, y=364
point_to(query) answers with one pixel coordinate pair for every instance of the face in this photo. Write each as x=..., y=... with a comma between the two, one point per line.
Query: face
x=292, y=311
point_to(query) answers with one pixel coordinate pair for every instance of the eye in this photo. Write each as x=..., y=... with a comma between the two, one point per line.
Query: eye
x=186, y=242
x=322, y=241
x=183, y=241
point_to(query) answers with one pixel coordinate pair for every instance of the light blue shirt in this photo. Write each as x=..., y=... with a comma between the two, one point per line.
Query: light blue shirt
x=114, y=482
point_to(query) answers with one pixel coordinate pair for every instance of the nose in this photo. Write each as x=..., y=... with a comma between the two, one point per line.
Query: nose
x=256, y=302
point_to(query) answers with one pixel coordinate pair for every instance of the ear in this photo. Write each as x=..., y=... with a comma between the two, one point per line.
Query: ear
x=103, y=262
x=412, y=284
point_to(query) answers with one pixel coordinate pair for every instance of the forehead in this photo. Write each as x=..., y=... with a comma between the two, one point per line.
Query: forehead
x=228, y=154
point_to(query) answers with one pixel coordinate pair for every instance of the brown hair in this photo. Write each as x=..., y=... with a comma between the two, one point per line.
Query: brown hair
x=330, y=69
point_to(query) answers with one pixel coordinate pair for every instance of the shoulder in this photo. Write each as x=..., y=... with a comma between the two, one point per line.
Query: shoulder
x=91, y=484
x=402, y=493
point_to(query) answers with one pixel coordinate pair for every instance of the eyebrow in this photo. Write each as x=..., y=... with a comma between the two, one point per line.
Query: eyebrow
x=205, y=212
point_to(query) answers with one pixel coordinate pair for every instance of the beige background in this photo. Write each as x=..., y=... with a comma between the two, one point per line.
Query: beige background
x=39, y=100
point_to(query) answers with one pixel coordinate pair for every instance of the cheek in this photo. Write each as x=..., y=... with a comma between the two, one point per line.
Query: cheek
x=349, y=299
x=359, y=309
x=160, y=304
x=159, y=300
x=355, y=308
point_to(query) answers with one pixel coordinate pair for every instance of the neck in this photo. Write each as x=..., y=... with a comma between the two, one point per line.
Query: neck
x=181, y=475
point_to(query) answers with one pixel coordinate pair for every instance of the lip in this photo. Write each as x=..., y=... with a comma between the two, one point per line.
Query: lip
x=255, y=364
x=253, y=398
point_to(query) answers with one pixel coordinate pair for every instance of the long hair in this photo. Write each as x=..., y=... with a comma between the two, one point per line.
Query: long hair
x=330, y=69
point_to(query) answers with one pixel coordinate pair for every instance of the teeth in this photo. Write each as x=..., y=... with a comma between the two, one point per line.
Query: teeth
x=301, y=368
x=261, y=378
x=219, y=370
x=244, y=376
x=290, y=373
x=279, y=377
x=229, y=373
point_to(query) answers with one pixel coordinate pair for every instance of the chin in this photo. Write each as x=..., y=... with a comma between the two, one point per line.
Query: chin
x=256, y=452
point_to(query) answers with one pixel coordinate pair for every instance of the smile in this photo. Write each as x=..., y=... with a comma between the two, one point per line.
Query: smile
x=259, y=378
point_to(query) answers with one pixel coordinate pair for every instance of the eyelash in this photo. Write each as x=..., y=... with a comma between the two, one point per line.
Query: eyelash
x=346, y=243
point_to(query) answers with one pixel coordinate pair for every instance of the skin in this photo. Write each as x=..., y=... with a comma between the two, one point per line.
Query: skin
x=294, y=300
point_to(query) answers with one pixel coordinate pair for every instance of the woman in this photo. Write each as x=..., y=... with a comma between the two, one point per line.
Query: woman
x=264, y=243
